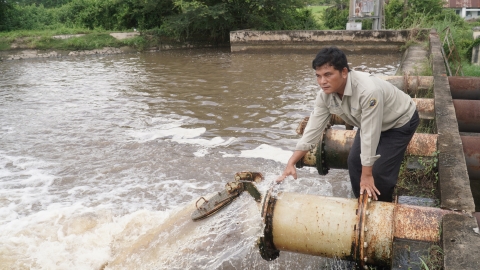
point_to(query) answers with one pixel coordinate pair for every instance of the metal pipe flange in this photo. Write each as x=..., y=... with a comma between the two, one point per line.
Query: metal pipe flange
x=321, y=156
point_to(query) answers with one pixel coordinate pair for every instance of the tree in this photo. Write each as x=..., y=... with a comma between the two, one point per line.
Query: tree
x=4, y=18
x=336, y=16
x=213, y=19
x=45, y=3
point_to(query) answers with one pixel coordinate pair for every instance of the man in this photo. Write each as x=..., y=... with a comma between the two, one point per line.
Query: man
x=385, y=116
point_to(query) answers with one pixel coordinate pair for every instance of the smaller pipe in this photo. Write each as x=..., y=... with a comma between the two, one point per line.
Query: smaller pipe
x=413, y=85
x=335, y=146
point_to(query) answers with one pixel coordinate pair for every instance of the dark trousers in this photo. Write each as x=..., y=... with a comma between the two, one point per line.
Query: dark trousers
x=392, y=146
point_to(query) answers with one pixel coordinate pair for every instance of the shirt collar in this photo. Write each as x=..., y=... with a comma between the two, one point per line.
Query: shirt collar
x=348, y=86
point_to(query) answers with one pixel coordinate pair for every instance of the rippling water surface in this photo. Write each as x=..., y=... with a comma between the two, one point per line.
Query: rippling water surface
x=102, y=158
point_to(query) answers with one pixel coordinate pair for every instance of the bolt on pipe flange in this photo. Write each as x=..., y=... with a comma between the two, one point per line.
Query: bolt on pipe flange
x=360, y=244
x=321, y=156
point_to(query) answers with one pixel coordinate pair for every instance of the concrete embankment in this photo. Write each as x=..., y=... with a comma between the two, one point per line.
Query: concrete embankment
x=350, y=41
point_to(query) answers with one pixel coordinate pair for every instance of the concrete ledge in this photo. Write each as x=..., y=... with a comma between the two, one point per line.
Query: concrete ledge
x=413, y=60
x=454, y=182
x=461, y=242
x=364, y=40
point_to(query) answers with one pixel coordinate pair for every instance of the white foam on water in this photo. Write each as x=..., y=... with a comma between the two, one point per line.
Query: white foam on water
x=225, y=238
x=24, y=185
x=175, y=133
x=267, y=152
x=73, y=237
x=80, y=237
x=216, y=141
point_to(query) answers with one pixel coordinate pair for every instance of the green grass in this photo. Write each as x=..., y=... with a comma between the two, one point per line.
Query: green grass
x=470, y=70
x=46, y=33
x=434, y=259
x=317, y=12
x=43, y=40
x=418, y=182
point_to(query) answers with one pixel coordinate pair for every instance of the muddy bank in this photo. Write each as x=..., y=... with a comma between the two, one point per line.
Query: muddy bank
x=19, y=52
x=29, y=54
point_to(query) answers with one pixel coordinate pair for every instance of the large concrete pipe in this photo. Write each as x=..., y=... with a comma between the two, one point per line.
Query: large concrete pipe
x=334, y=146
x=357, y=230
x=468, y=115
x=464, y=87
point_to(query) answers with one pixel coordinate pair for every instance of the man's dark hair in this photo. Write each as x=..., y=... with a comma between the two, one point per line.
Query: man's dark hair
x=331, y=56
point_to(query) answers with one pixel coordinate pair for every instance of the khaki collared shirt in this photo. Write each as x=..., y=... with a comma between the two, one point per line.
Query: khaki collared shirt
x=369, y=103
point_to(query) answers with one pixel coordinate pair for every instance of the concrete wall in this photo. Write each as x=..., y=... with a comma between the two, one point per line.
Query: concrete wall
x=358, y=41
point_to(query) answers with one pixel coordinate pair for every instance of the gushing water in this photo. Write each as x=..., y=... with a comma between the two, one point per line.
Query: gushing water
x=103, y=158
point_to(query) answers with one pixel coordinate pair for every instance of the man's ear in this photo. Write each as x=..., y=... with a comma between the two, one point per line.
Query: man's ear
x=344, y=73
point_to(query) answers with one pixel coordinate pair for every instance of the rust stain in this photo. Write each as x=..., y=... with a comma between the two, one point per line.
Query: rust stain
x=301, y=127
x=425, y=107
x=418, y=223
x=422, y=144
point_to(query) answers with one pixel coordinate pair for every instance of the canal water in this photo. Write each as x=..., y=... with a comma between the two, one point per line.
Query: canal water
x=102, y=158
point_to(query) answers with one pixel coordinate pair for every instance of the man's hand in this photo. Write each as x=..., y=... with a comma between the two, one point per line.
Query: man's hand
x=367, y=183
x=289, y=170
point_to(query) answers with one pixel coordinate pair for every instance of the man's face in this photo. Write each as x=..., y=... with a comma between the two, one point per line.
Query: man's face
x=331, y=80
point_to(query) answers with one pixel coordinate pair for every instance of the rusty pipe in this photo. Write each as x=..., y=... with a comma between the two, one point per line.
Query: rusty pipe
x=468, y=115
x=464, y=87
x=425, y=107
x=358, y=230
x=472, y=155
x=413, y=85
x=335, y=146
